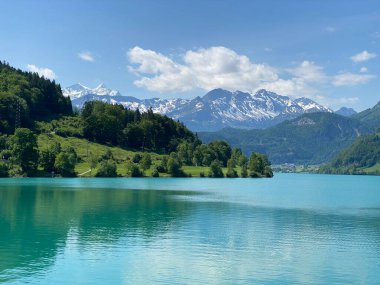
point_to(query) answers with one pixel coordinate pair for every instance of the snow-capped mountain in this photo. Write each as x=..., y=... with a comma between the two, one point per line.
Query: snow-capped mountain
x=78, y=90
x=217, y=109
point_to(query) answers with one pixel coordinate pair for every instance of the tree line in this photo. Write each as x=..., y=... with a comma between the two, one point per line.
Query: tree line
x=26, y=97
x=21, y=156
x=113, y=124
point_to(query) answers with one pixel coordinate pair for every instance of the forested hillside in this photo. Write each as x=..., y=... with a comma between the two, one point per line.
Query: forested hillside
x=362, y=157
x=25, y=97
x=371, y=116
x=309, y=139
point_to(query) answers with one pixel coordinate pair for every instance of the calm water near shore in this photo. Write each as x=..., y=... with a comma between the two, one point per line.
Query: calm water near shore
x=292, y=229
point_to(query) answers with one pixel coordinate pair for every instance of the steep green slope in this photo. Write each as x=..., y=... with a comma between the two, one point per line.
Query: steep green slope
x=362, y=157
x=309, y=139
x=25, y=97
x=371, y=116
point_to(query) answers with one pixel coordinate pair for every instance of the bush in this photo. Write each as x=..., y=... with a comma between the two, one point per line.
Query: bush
x=216, y=169
x=268, y=172
x=160, y=169
x=134, y=170
x=163, y=166
x=231, y=173
x=65, y=163
x=136, y=158
x=146, y=161
x=107, y=168
x=254, y=174
x=174, y=168
x=3, y=170
x=244, y=171
x=107, y=155
x=155, y=173
x=202, y=174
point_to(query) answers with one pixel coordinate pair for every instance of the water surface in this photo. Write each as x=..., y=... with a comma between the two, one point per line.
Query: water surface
x=292, y=229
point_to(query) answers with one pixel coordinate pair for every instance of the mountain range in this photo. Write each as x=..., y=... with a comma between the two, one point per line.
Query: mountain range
x=214, y=111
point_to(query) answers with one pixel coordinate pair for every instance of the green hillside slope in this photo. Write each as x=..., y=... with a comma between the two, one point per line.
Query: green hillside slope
x=25, y=97
x=371, y=117
x=309, y=139
x=362, y=157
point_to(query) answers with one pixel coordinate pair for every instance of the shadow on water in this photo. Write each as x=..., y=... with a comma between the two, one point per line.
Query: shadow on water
x=35, y=221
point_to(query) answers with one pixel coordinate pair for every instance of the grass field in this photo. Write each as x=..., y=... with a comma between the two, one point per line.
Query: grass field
x=373, y=169
x=85, y=149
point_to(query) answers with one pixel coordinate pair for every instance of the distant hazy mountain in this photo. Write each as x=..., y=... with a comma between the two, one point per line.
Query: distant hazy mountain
x=216, y=110
x=344, y=111
x=309, y=139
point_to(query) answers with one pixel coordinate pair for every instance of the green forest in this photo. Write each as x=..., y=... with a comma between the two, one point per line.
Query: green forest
x=309, y=139
x=41, y=136
x=362, y=157
x=26, y=97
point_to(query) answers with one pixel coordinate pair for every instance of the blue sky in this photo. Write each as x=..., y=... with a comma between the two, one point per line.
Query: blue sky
x=325, y=50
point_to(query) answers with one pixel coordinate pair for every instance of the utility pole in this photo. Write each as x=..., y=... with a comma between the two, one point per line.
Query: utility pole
x=18, y=115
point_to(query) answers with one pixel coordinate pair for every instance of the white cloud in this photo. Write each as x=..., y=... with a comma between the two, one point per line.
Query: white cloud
x=351, y=79
x=86, y=56
x=363, y=56
x=214, y=67
x=168, y=76
x=302, y=82
x=363, y=69
x=220, y=67
x=309, y=72
x=289, y=87
x=42, y=71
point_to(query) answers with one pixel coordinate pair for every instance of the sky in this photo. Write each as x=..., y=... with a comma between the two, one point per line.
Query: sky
x=328, y=51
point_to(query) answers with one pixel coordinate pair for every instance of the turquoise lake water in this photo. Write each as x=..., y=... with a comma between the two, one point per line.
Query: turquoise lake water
x=292, y=229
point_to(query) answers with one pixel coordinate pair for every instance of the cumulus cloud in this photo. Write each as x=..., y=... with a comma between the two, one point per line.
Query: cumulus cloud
x=220, y=67
x=86, y=56
x=288, y=87
x=309, y=72
x=363, y=56
x=303, y=77
x=42, y=71
x=214, y=67
x=363, y=69
x=168, y=76
x=351, y=79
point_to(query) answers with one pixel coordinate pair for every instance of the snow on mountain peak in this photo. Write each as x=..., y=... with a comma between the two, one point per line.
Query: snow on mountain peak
x=310, y=105
x=78, y=90
x=217, y=109
x=78, y=87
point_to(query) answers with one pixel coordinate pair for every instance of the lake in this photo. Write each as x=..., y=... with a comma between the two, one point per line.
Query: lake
x=292, y=229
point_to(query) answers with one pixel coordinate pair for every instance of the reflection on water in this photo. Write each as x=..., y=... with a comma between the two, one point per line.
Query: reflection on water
x=51, y=234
